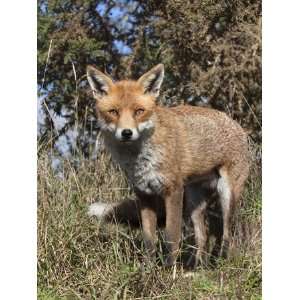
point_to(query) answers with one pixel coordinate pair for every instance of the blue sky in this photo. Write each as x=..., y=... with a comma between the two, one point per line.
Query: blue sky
x=121, y=16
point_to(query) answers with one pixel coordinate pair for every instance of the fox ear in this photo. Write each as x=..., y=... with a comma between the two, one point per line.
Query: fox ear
x=152, y=80
x=99, y=82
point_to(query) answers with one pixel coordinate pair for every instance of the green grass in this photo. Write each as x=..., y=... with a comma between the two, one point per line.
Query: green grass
x=79, y=258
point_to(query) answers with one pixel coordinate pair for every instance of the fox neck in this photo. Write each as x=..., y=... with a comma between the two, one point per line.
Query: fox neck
x=141, y=162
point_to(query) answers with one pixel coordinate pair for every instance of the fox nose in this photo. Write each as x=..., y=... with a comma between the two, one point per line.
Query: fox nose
x=126, y=133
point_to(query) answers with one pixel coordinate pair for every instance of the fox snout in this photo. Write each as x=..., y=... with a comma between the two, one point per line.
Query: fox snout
x=127, y=134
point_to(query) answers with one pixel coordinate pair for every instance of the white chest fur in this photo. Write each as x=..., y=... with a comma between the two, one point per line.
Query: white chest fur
x=141, y=163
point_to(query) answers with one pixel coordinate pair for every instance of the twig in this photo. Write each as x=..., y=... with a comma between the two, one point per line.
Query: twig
x=43, y=82
x=252, y=111
x=77, y=96
x=45, y=70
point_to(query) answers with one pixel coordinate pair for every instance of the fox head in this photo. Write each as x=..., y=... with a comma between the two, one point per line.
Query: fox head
x=125, y=109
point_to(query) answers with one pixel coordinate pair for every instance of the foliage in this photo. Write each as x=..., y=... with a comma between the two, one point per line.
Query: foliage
x=211, y=50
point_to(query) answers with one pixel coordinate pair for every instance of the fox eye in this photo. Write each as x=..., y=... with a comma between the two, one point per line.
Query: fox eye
x=139, y=111
x=113, y=112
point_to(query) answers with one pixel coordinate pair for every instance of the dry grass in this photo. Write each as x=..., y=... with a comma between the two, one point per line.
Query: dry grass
x=79, y=258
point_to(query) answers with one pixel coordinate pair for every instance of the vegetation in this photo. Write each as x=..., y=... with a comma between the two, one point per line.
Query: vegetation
x=211, y=51
x=80, y=258
x=212, y=54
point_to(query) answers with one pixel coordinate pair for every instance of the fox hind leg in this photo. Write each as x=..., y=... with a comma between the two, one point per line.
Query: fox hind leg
x=201, y=234
x=196, y=198
x=226, y=197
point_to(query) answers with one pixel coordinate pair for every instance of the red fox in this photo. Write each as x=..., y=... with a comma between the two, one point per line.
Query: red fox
x=171, y=156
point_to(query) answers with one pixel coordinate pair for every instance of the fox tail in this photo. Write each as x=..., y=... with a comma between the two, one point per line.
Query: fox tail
x=124, y=212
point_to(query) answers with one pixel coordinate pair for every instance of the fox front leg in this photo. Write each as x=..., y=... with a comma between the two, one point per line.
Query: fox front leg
x=173, y=203
x=149, y=223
